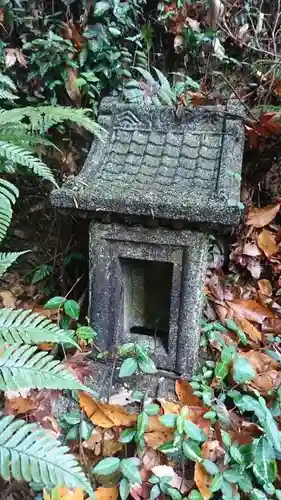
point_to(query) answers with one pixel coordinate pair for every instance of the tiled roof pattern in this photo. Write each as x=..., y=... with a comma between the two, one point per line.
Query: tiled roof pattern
x=142, y=160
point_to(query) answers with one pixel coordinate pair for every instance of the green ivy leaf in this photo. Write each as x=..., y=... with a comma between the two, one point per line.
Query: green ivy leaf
x=101, y=8
x=243, y=371
x=265, y=467
x=245, y=482
x=168, y=420
x=195, y=495
x=152, y=409
x=124, y=489
x=192, y=450
x=194, y=432
x=127, y=435
x=257, y=495
x=147, y=365
x=173, y=493
x=128, y=367
x=154, y=492
x=142, y=423
x=216, y=483
x=72, y=418
x=235, y=454
x=232, y=475
x=54, y=303
x=130, y=470
x=71, y=309
x=86, y=333
x=154, y=480
x=221, y=370
x=107, y=466
x=210, y=467
x=168, y=447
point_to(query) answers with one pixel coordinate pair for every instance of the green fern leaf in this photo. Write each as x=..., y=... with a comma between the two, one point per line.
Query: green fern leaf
x=21, y=367
x=29, y=453
x=42, y=118
x=8, y=195
x=25, y=158
x=6, y=95
x=21, y=326
x=7, y=259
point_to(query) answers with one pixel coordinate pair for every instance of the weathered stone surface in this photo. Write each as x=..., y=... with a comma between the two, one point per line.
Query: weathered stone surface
x=112, y=248
x=156, y=165
x=146, y=283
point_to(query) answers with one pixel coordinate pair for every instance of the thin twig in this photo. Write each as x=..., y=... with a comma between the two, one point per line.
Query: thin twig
x=236, y=94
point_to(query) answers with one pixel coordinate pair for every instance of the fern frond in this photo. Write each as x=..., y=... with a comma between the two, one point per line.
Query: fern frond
x=21, y=326
x=6, y=81
x=19, y=133
x=8, y=195
x=42, y=118
x=29, y=453
x=23, y=157
x=21, y=367
x=7, y=259
x=6, y=95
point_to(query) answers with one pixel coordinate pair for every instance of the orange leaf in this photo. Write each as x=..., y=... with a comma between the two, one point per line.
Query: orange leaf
x=20, y=405
x=185, y=394
x=64, y=494
x=248, y=328
x=107, y=493
x=105, y=415
x=260, y=217
x=169, y=406
x=250, y=309
x=203, y=480
x=155, y=438
x=267, y=242
x=71, y=87
x=265, y=287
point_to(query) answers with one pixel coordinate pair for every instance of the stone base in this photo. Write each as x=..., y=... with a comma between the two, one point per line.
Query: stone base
x=105, y=382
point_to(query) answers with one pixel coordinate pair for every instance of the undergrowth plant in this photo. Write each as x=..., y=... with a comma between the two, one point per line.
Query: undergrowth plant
x=28, y=452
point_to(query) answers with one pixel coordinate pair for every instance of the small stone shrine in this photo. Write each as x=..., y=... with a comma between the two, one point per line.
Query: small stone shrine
x=154, y=190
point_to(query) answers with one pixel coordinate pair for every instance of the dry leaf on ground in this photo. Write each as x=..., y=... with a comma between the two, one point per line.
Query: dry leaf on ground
x=20, y=406
x=105, y=415
x=65, y=494
x=155, y=438
x=265, y=287
x=185, y=394
x=267, y=242
x=251, y=310
x=211, y=450
x=203, y=480
x=260, y=217
x=106, y=493
x=8, y=299
x=251, y=331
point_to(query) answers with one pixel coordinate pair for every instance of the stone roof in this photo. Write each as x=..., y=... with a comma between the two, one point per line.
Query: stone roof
x=154, y=164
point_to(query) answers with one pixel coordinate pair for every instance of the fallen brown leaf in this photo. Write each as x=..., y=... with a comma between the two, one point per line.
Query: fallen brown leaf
x=260, y=217
x=106, y=415
x=185, y=394
x=267, y=242
x=65, y=494
x=8, y=299
x=251, y=310
x=155, y=438
x=20, y=405
x=247, y=327
x=107, y=493
x=203, y=481
x=265, y=287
